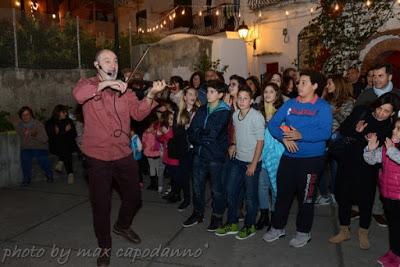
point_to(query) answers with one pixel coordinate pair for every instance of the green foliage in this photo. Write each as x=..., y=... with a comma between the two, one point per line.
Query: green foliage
x=205, y=63
x=5, y=124
x=336, y=36
x=43, y=44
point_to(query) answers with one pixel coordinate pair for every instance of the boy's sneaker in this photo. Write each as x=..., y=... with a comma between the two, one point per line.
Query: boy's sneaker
x=227, y=229
x=194, y=219
x=380, y=220
x=216, y=222
x=183, y=205
x=300, y=240
x=246, y=232
x=323, y=200
x=273, y=235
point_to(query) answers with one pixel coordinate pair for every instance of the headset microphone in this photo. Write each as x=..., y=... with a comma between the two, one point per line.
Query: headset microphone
x=108, y=73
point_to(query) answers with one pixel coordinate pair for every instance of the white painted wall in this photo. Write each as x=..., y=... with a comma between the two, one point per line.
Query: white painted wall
x=231, y=52
x=268, y=31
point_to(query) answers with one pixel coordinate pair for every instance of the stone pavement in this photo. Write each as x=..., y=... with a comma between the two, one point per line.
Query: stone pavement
x=51, y=225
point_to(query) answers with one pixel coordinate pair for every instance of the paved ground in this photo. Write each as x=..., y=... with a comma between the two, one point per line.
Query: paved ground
x=50, y=224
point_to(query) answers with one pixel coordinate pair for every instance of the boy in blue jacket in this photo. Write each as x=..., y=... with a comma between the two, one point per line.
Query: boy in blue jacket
x=208, y=133
x=308, y=123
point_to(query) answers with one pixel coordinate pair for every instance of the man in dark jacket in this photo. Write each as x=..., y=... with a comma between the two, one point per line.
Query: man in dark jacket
x=208, y=133
x=382, y=83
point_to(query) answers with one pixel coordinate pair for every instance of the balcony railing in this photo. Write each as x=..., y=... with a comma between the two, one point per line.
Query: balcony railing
x=216, y=19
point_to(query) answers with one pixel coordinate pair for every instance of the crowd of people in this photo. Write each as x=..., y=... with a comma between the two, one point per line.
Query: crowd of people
x=295, y=135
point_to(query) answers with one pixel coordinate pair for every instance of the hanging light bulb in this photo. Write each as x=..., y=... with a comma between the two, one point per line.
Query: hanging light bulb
x=161, y=26
x=200, y=13
x=157, y=26
x=165, y=22
x=170, y=18
x=312, y=10
x=183, y=12
x=17, y=3
x=287, y=13
x=336, y=7
x=217, y=12
x=368, y=3
x=174, y=15
x=259, y=14
x=241, y=15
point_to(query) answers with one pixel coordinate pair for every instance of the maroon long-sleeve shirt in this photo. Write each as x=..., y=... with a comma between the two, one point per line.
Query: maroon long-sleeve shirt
x=107, y=119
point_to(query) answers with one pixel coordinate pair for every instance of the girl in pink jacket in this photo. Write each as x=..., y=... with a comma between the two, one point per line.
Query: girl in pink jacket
x=389, y=184
x=153, y=152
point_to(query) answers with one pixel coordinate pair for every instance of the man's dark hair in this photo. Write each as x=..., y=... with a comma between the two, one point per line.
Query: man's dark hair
x=316, y=78
x=247, y=89
x=219, y=86
x=388, y=67
x=23, y=109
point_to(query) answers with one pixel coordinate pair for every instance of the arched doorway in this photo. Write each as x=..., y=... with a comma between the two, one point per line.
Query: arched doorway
x=384, y=49
x=393, y=58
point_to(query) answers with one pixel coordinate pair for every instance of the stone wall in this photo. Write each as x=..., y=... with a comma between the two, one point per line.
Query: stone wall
x=10, y=168
x=37, y=88
x=174, y=55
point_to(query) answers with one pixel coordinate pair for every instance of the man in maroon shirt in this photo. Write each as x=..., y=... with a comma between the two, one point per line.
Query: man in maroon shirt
x=108, y=108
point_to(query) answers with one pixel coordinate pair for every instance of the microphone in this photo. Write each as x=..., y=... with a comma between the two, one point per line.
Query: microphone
x=108, y=73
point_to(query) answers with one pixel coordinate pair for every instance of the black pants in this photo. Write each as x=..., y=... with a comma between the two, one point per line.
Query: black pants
x=186, y=170
x=355, y=184
x=102, y=174
x=297, y=177
x=392, y=212
x=66, y=158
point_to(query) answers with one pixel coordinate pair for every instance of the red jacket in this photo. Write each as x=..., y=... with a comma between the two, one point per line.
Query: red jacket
x=164, y=138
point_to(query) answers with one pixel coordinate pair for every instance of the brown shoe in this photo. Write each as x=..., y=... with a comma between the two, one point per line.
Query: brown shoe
x=127, y=233
x=380, y=220
x=104, y=258
x=363, y=238
x=343, y=235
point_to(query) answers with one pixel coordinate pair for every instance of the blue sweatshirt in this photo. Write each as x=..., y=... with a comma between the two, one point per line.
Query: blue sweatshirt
x=313, y=120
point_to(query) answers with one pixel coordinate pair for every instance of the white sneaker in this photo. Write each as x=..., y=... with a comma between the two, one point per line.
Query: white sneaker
x=323, y=200
x=273, y=234
x=59, y=166
x=71, y=178
x=300, y=240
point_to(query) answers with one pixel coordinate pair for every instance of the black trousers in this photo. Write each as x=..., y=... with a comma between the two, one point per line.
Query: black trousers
x=102, y=174
x=66, y=158
x=355, y=184
x=392, y=212
x=297, y=177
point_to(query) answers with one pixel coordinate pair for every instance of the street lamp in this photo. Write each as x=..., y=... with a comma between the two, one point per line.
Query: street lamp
x=243, y=31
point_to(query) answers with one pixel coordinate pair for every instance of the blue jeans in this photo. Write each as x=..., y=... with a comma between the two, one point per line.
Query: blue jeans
x=239, y=180
x=42, y=157
x=201, y=167
x=266, y=201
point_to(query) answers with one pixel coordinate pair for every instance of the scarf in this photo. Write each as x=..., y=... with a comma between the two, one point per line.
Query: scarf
x=387, y=89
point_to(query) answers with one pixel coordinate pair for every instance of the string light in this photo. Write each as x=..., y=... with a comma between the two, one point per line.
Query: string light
x=217, y=12
x=312, y=10
x=287, y=13
x=173, y=15
x=241, y=15
x=54, y=16
x=165, y=22
x=157, y=26
x=183, y=12
x=161, y=26
x=336, y=7
x=201, y=13
x=170, y=18
x=368, y=3
x=17, y=3
x=259, y=14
